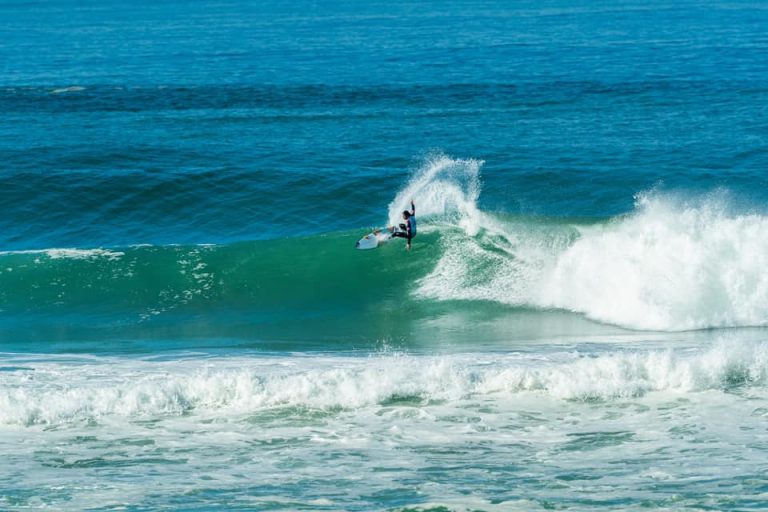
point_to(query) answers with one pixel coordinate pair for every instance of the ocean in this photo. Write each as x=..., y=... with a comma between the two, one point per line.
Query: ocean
x=185, y=323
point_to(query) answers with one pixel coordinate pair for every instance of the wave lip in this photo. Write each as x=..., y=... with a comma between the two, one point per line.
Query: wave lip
x=56, y=394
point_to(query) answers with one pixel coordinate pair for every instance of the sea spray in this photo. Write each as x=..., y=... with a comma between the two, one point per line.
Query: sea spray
x=443, y=188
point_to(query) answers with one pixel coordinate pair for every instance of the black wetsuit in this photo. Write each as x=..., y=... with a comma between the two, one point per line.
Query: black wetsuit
x=407, y=230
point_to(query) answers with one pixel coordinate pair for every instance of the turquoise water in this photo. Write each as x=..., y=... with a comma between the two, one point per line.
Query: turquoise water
x=186, y=325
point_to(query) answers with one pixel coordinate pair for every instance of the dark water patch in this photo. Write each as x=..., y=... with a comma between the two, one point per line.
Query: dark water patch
x=292, y=416
x=687, y=430
x=15, y=369
x=739, y=375
x=573, y=477
x=404, y=400
x=103, y=462
x=262, y=98
x=436, y=508
x=596, y=440
x=395, y=496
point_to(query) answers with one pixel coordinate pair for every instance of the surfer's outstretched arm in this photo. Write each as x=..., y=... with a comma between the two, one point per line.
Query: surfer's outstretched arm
x=413, y=208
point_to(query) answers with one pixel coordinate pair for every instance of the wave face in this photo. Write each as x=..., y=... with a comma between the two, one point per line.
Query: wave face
x=674, y=263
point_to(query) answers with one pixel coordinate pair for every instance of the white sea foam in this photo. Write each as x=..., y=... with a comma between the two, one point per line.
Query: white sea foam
x=83, y=253
x=61, y=393
x=671, y=264
x=62, y=90
x=71, y=253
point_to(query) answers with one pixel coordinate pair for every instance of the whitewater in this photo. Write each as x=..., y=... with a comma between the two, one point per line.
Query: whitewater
x=340, y=430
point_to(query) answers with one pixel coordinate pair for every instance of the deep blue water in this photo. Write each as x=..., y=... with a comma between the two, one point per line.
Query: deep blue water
x=184, y=320
x=212, y=122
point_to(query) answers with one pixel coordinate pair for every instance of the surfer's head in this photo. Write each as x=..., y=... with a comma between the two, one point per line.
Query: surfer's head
x=406, y=214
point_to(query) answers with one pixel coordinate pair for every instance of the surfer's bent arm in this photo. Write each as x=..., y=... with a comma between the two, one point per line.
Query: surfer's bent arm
x=413, y=208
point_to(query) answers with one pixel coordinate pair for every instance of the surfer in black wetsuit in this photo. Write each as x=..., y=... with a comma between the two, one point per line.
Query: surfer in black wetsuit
x=408, y=229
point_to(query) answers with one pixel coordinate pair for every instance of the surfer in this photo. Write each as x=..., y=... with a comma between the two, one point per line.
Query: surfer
x=408, y=229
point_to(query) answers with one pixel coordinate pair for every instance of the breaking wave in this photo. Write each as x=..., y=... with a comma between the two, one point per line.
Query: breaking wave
x=674, y=263
x=52, y=393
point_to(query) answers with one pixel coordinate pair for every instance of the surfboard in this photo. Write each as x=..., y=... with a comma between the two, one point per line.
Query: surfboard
x=374, y=239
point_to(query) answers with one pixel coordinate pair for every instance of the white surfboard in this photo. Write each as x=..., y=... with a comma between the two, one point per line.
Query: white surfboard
x=374, y=240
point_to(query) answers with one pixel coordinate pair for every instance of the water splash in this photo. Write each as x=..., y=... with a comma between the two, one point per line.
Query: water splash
x=444, y=189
